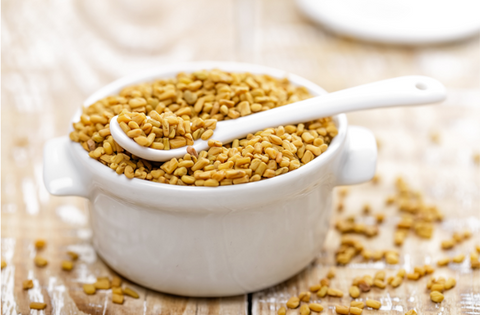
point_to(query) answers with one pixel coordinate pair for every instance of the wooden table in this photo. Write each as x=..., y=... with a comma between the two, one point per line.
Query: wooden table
x=57, y=53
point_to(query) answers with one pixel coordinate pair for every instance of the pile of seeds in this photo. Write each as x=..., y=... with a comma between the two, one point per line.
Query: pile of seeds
x=186, y=108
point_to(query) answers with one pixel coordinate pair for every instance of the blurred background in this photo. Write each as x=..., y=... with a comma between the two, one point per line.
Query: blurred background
x=56, y=53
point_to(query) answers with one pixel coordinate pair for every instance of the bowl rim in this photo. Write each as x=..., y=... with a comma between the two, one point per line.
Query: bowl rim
x=163, y=71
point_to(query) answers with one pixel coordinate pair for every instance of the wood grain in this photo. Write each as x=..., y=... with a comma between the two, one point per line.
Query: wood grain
x=55, y=54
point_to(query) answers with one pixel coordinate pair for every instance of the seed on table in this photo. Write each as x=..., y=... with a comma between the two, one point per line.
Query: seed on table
x=411, y=312
x=340, y=309
x=358, y=304
x=293, y=302
x=448, y=244
x=373, y=304
x=355, y=310
x=315, y=307
x=67, y=265
x=443, y=262
x=413, y=276
x=40, y=243
x=379, y=284
x=322, y=292
x=117, y=290
x=102, y=284
x=396, y=282
x=117, y=298
x=40, y=261
x=37, y=306
x=304, y=310
x=401, y=273
x=315, y=287
x=325, y=281
x=304, y=296
x=380, y=275
x=73, y=255
x=429, y=269
x=27, y=284
x=437, y=287
x=363, y=285
x=450, y=283
x=131, y=293
x=282, y=311
x=334, y=292
x=458, y=259
x=89, y=288
x=436, y=296
x=354, y=291
x=331, y=273
x=116, y=282
x=4, y=264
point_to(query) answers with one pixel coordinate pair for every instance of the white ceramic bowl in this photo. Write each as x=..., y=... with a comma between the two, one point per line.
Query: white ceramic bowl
x=200, y=241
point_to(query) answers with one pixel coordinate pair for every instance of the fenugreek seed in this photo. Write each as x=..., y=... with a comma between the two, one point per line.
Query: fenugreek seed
x=440, y=287
x=40, y=261
x=67, y=265
x=396, y=282
x=37, y=306
x=380, y=275
x=131, y=293
x=89, y=289
x=4, y=264
x=443, y=262
x=340, y=309
x=304, y=296
x=304, y=310
x=429, y=269
x=117, y=298
x=364, y=285
x=102, y=284
x=293, y=302
x=282, y=311
x=436, y=296
x=331, y=273
x=325, y=281
x=40, y=243
x=357, y=304
x=315, y=288
x=413, y=276
x=354, y=291
x=448, y=244
x=117, y=290
x=401, y=273
x=411, y=312
x=450, y=283
x=373, y=304
x=27, y=284
x=355, y=310
x=379, y=284
x=458, y=259
x=334, y=292
x=315, y=307
x=116, y=282
x=322, y=292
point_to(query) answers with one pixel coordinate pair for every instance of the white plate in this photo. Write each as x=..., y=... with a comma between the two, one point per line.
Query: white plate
x=412, y=22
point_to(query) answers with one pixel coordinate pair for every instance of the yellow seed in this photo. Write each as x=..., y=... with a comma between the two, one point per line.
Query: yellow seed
x=315, y=307
x=334, y=292
x=357, y=304
x=437, y=287
x=282, y=311
x=450, y=283
x=4, y=264
x=373, y=304
x=401, y=273
x=304, y=310
x=354, y=291
x=73, y=255
x=67, y=265
x=40, y=243
x=411, y=312
x=293, y=302
x=40, y=261
x=117, y=290
x=379, y=284
x=37, y=306
x=448, y=244
x=340, y=309
x=322, y=292
x=117, y=298
x=304, y=296
x=315, y=288
x=436, y=296
x=458, y=259
x=443, y=262
x=131, y=293
x=331, y=273
x=355, y=310
x=89, y=289
x=102, y=284
x=413, y=276
x=27, y=284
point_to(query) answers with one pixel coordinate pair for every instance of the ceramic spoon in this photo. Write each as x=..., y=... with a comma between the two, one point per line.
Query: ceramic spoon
x=401, y=91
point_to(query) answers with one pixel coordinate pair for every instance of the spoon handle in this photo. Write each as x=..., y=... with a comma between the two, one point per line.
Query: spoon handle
x=401, y=91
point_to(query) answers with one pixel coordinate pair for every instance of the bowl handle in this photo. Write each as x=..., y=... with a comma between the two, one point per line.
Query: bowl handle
x=60, y=174
x=359, y=158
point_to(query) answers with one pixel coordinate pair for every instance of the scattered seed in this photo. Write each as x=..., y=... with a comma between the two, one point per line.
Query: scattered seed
x=37, y=306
